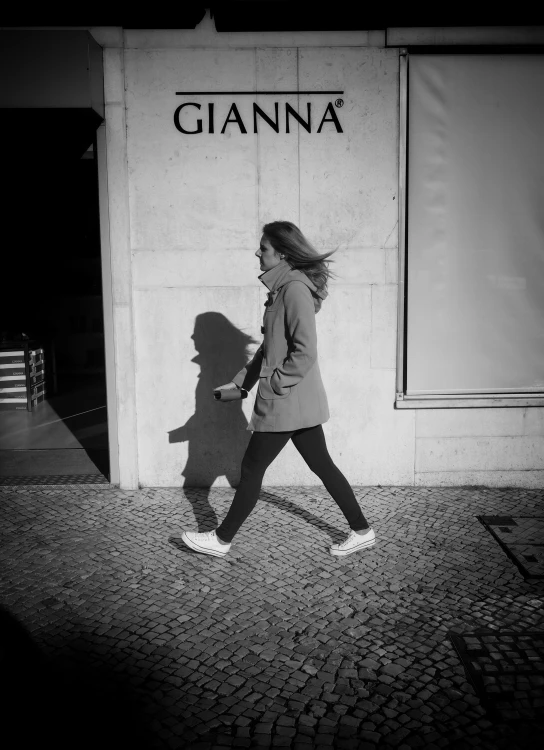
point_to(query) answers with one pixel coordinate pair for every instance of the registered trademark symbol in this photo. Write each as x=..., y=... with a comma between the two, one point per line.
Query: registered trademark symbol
x=339, y=103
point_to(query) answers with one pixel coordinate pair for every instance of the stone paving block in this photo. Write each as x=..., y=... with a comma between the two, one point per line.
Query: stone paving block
x=278, y=634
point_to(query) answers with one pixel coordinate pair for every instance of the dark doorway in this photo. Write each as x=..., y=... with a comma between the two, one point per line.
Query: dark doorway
x=51, y=292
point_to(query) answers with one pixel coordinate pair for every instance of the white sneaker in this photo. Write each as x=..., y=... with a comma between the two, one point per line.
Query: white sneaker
x=354, y=543
x=206, y=542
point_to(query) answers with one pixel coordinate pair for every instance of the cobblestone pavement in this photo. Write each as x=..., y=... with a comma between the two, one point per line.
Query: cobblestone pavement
x=114, y=635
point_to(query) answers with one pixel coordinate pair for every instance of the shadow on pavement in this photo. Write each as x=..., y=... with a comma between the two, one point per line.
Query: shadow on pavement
x=207, y=519
x=72, y=699
x=335, y=534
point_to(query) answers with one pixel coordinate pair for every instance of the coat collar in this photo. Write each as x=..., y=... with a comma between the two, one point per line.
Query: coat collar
x=281, y=274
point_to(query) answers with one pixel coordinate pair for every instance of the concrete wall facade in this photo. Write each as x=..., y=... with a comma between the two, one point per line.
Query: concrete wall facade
x=191, y=304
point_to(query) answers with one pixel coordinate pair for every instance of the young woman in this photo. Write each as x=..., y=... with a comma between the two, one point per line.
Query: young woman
x=291, y=403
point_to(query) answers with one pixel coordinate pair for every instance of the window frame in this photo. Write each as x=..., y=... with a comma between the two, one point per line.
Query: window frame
x=437, y=401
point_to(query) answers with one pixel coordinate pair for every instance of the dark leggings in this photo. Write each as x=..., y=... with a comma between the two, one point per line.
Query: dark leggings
x=262, y=450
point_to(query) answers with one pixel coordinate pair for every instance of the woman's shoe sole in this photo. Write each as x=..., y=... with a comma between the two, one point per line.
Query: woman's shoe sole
x=358, y=548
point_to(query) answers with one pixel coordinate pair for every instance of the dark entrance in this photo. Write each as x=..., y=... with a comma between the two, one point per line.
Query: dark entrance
x=51, y=287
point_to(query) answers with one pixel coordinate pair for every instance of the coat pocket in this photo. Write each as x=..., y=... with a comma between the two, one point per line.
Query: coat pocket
x=265, y=389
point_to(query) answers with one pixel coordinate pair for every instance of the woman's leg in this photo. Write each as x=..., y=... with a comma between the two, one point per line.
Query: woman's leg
x=261, y=451
x=311, y=445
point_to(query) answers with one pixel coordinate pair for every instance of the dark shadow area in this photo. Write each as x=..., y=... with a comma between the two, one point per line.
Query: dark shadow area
x=303, y=15
x=81, y=404
x=73, y=699
x=216, y=433
x=275, y=15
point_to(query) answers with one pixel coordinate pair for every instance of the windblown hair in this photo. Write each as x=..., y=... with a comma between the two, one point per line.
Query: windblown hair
x=287, y=239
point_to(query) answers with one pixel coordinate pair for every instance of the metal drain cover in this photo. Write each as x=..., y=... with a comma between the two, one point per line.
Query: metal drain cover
x=522, y=538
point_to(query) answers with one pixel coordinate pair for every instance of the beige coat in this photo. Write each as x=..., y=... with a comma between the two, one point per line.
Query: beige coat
x=290, y=393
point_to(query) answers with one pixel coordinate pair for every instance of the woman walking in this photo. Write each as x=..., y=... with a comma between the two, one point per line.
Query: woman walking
x=291, y=403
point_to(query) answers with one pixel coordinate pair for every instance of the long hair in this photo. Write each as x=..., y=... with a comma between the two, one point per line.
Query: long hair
x=287, y=239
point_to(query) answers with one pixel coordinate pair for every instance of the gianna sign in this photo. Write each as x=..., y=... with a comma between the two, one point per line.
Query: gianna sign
x=192, y=118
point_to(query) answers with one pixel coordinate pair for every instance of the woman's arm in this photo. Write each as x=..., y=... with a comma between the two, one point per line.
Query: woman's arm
x=248, y=376
x=300, y=322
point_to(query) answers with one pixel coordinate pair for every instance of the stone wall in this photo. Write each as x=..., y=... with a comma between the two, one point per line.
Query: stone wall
x=197, y=203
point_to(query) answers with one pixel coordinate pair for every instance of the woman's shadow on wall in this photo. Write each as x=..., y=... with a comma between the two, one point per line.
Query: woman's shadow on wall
x=216, y=433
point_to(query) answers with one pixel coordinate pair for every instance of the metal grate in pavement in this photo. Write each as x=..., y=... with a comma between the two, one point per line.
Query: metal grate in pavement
x=507, y=672
x=522, y=538
x=61, y=479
